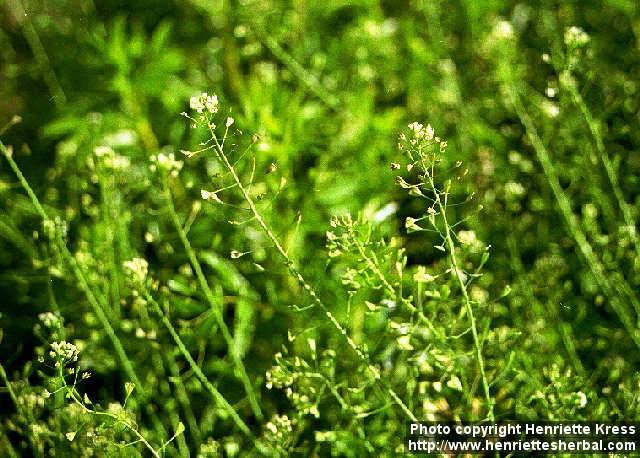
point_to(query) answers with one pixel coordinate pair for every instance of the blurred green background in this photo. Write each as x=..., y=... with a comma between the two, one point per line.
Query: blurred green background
x=326, y=87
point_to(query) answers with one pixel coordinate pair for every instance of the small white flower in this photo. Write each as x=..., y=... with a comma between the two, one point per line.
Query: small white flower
x=467, y=237
x=102, y=150
x=575, y=37
x=550, y=109
x=582, y=399
x=404, y=342
x=503, y=29
x=416, y=127
x=230, y=121
x=64, y=350
x=429, y=133
x=421, y=275
x=210, y=102
x=420, y=132
x=168, y=162
x=137, y=268
x=50, y=320
x=203, y=102
x=196, y=104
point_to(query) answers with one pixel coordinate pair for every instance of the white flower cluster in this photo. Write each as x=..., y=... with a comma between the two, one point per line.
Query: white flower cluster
x=167, y=162
x=420, y=140
x=575, y=37
x=421, y=132
x=422, y=276
x=471, y=240
x=203, y=102
x=137, y=268
x=279, y=426
x=503, y=29
x=64, y=350
x=111, y=159
x=50, y=320
x=467, y=237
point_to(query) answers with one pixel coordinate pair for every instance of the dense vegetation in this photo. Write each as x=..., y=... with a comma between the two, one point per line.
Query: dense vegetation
x=256, y=227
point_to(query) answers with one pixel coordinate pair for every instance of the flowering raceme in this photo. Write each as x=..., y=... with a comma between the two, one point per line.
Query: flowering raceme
x=203, y=102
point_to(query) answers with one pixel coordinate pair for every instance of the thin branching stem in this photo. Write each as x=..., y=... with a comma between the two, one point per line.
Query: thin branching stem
x=571, y=221
x=609, y=168
x=12, y=394
x=217, y=396
x=75, y=268
x=216, y=306
x=39, y=53
x=364, y=358
x=72, y=393
x=457, y=273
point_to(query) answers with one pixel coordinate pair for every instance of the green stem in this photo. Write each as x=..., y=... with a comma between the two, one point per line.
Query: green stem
x=216, y=306
x=465, y=294
x=82, y=281
x=140, y=437
x=364, y=358
x=217, y=396
x=606, y=162
x=12, y=394
x=42, y=59
x=183, y=399
x=600, y=274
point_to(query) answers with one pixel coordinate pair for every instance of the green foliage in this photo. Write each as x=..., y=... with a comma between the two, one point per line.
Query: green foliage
x=226, y=228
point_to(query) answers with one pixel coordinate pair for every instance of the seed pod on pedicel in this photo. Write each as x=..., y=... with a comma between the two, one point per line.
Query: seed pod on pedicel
x=271, y=168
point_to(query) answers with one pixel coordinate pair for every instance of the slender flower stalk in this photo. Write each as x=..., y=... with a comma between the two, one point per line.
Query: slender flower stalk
x=80, y=277
x=612, y=175
x=97, y=304
x=457, y=272
x=614, y=293
x=362, y=356
x=216, y=306
x=217, y=396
